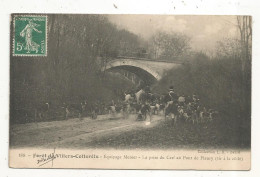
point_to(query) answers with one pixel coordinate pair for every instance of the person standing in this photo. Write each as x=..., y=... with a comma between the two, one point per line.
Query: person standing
x=171, y=105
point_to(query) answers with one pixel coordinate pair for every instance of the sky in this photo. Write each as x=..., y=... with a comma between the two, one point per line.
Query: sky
x=204, y=31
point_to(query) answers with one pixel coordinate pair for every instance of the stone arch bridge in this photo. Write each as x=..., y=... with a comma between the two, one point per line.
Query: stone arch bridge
x=146, y=69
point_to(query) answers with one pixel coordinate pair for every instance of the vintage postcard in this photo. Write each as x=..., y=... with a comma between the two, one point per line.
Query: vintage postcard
x=130, y=91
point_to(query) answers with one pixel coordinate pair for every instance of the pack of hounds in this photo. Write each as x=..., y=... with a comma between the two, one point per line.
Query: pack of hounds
x=143, y=103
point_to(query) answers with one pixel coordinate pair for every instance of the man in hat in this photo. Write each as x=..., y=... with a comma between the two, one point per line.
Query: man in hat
x=171, y=104
x=171, y=96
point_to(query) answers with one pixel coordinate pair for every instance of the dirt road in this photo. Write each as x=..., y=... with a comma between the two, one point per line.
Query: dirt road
x=74, y=133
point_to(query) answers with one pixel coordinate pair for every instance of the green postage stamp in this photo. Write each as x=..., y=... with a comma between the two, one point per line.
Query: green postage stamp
x=30, y=35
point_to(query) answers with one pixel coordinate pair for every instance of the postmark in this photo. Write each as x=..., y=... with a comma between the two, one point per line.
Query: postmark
x=30, y=35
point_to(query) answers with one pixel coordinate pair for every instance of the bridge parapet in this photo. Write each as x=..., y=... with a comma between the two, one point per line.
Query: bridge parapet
x=146, y=69
x=147, y=59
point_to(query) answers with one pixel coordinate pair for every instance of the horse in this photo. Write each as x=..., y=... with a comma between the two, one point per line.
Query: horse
x=139, y=94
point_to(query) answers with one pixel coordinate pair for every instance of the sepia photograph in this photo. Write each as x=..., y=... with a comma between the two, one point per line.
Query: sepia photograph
x=130, y=91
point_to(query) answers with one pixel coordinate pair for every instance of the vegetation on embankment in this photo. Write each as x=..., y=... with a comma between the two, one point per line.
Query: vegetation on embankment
x=221, y=85
x=218, y=83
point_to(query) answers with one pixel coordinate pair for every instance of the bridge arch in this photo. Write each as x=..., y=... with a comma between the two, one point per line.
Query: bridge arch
x=148, y=70
x=143, y=71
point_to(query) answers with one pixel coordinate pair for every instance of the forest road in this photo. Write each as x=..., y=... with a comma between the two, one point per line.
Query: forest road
x=75, y=133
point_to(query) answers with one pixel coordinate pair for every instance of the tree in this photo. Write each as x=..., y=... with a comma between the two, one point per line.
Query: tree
x=169, y=46
x=244, y=24
x=228, y=48
x=239, y=52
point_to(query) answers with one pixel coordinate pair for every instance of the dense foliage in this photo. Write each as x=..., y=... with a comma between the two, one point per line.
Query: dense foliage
x=218, y=82
x=78, y=46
